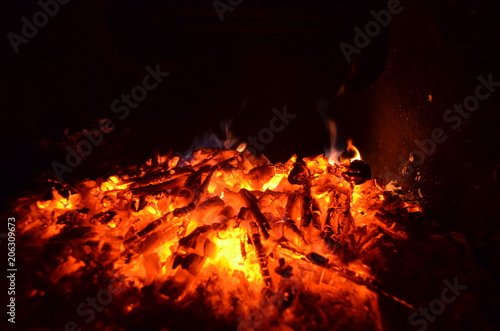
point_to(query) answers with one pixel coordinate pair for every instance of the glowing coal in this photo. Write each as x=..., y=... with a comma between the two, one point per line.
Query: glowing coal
x=223, y=233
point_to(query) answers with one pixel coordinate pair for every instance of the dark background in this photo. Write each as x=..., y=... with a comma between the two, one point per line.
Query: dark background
x=264, y=55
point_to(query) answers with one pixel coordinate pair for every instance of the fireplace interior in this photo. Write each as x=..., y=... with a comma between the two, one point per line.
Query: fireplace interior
x=231, y=77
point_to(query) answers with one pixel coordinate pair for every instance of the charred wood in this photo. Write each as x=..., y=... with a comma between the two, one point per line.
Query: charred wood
x=252, y=205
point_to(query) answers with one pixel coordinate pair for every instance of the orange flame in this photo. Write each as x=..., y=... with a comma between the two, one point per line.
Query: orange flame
x=351, y=149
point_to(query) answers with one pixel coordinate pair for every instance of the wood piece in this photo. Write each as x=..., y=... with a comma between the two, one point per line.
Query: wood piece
x=310, y=210
x=252, y=205
x=158, y=178
x=358, y=172
x=289, y=222
x=156, y=189
x=261, y=254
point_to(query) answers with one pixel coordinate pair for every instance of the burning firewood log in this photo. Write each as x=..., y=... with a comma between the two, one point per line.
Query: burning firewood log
x=252, y=205
x=310, y=212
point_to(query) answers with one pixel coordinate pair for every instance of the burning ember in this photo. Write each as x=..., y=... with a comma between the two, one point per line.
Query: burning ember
x=222, y=239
